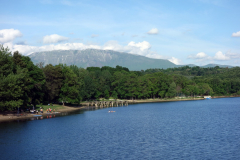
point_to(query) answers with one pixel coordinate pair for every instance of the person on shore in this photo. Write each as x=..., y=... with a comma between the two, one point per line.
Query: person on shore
x=50, y=110
x=37, y=111
x=47, y=110
x=41, y=110
x=53, y=110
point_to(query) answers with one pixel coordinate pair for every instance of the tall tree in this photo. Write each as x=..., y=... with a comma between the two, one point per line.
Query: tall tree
x=12, y=84
x=11, y=90
x=6, y=62
x=54, y=80
x=70, y=88
x=172, y=90
x=33, y=92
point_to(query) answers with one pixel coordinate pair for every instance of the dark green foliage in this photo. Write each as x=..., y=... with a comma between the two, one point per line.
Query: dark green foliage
x=93, y=69
x=34, y=81
x=54, y=79
x=70, y=88
x=114, y=95
x=172, y=90
x=6, y=62
x=12, y=84
x=11, y=90
x=106, y=94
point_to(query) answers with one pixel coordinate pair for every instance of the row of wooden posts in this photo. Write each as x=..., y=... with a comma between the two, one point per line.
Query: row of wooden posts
x=103, y=104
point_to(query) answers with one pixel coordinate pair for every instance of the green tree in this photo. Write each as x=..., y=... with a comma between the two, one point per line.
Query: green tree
x=114, y=95
x=172, y=90
x=54, y=79
x=34, y=82
x=70, y=88
x=6, y=62
x=106, y=94
x=11, y=90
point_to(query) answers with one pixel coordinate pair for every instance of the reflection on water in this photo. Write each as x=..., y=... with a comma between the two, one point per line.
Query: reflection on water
x=207, y=129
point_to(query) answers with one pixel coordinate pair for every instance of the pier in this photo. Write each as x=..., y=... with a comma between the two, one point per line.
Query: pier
x=106, y=104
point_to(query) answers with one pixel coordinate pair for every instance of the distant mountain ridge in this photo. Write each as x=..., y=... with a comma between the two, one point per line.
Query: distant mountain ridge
x=99, y=58
x=207, y=66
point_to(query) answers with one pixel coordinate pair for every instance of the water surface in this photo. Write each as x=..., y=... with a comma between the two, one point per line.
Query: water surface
x=203, y=129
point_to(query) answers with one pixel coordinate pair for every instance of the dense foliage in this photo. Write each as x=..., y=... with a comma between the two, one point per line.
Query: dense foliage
x=22, y=83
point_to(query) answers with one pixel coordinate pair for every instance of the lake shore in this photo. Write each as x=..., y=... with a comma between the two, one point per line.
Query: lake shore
x=163, y=100
x=65, y=109
x=26, y=115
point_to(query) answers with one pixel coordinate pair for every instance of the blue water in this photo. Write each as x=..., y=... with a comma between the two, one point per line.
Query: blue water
x=204, y=129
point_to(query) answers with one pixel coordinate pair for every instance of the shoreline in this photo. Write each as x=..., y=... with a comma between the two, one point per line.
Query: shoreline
x=151, y=100
x=163, y=100
x=22, y=116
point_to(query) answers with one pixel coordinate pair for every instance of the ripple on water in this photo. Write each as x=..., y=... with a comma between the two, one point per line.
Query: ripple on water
x=173, y=130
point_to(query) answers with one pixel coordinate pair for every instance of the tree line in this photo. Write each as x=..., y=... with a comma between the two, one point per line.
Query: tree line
x=23, y=83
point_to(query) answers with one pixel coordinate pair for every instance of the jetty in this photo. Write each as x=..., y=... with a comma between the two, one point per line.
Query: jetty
x=106, y=104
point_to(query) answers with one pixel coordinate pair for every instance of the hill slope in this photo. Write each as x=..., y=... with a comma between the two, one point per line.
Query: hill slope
x=99, y=58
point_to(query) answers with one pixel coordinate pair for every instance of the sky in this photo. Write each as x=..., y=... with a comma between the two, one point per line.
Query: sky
x=196, y=32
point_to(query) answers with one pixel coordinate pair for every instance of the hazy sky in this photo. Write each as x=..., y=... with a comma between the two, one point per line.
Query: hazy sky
x=183, y=31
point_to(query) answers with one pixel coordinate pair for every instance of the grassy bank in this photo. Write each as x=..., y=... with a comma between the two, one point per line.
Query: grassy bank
x=11, y=116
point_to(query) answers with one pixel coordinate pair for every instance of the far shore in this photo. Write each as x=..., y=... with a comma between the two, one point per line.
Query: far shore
x=65, y=109
x=163, y=100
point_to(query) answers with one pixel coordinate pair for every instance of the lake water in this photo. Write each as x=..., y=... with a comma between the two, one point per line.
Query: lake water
x=203, y=129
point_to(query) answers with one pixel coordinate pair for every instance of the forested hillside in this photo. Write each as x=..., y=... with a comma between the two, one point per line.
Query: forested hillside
x=22, y=83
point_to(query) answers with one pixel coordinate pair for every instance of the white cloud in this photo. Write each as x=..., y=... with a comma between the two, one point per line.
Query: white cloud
x=153, y=31
x=237, y=34
x=26, y=49
x=113, y=45
x=54, y=38
x=175, y=60
x=8, y=45
x=200, y=55
x=139, y=48
x=220, y=56
x=141, y=45
x=8, y=35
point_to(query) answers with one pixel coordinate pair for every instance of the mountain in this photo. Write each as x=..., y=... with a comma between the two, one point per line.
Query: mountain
x=214, y=65
x=189, y=65
x=99, y=58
